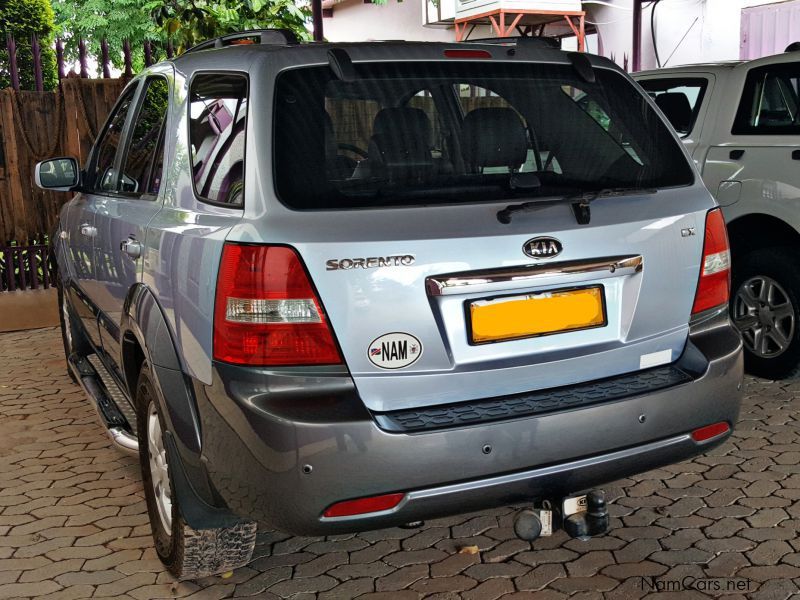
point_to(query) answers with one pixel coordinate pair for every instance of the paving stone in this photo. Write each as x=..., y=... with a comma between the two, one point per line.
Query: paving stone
x=51, y=571
x=770, y=552
x=456, y=583
x=589, y=564
x=402, y=578
x=23, y=590
x=401, y=559
x=349, y=589
x=320, y=565
x=540, y=577
x=482, y=572
x=453, y=565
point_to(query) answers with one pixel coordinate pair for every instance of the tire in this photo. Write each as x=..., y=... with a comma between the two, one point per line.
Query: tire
x=187, y=553
x=71, y=335
x=765, y=307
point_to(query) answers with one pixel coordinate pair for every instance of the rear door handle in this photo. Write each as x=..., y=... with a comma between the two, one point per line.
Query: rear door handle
x=131, y=247
x=88, y=230
x=795, y=154
x=736, y=154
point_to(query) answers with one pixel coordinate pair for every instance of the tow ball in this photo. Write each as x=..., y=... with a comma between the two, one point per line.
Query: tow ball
x=582, y=517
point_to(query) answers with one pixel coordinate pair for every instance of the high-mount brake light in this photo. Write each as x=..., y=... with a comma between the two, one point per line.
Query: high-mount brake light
x=714, y=286
x=267, y=312
x=458, y=53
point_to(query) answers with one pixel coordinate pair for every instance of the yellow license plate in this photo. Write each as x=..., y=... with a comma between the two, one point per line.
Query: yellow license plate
x=545, y=313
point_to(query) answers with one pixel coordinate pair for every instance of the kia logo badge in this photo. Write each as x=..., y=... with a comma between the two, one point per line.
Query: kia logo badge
x=542, y=247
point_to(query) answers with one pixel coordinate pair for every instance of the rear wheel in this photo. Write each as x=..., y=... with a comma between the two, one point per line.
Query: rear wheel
x=188, y=553
x=766, y=309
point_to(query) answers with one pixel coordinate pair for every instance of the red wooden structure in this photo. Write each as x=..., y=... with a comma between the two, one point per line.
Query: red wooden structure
x=505, y=22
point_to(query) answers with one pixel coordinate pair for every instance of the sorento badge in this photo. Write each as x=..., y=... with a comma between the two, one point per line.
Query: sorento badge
x=394, y=351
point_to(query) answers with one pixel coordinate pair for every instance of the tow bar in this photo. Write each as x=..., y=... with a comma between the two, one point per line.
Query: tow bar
x=582, y=517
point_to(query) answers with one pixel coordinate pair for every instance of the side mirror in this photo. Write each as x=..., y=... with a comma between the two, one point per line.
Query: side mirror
x=58, y=174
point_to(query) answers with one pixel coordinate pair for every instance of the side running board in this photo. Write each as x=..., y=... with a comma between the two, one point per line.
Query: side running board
x=114, y=420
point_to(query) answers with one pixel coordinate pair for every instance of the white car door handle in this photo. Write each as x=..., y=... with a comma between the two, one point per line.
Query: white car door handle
x=88, y=230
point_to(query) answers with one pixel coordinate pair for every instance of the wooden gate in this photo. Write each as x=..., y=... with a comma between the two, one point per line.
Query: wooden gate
x=39, y=125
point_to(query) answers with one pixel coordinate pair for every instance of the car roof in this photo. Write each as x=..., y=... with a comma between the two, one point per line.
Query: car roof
x=244, y=57
x=714, y=67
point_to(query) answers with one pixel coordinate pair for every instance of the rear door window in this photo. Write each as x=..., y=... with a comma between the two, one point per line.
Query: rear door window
x=679, y=98
x=141, y=164
x=104, y=176
x=769, y=104
x=418, y=133
x=217, y=123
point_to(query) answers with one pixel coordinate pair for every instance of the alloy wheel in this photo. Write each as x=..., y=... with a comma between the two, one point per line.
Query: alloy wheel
x=764, y=314
x=159, y=470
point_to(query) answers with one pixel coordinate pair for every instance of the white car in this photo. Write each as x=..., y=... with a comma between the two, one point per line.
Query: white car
x=740, y=121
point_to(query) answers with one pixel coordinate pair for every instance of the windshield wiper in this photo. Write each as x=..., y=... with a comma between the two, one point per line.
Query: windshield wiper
x=580, y=203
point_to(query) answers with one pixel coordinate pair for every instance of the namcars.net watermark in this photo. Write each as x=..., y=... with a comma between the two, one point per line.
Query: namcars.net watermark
x=698, y=584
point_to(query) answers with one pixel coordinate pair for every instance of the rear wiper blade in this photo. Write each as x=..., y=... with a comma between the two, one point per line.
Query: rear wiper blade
x=580, y=203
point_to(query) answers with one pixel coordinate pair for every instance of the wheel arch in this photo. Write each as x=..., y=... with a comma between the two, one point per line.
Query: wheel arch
x=756, y=231
x=146, y=337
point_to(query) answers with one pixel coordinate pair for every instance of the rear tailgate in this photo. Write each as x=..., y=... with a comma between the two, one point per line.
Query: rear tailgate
x=647, y=307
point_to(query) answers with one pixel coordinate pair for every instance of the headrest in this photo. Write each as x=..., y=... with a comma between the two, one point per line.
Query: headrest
x=676, y=106
x=493, y=137
x=407, y=121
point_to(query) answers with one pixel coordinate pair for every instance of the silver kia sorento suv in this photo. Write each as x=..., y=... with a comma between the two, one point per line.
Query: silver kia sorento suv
x=334, y=287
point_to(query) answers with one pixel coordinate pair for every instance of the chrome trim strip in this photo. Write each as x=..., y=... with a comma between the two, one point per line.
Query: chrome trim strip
x=515, y=277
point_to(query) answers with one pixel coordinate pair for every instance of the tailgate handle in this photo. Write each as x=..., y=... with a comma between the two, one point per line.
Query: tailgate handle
x=524, y=276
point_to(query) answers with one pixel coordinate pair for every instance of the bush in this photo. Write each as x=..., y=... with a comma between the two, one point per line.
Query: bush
x=23, y=18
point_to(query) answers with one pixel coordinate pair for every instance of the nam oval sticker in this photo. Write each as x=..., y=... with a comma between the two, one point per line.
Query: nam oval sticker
x=394, y=350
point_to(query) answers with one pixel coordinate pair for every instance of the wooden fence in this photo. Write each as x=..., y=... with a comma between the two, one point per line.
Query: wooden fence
x=39, y=125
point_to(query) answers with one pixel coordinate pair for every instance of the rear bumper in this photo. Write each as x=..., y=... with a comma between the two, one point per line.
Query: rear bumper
x=280, y=448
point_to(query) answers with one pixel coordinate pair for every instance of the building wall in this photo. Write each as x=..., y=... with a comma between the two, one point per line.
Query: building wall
x=355, y=21
x=687, y=31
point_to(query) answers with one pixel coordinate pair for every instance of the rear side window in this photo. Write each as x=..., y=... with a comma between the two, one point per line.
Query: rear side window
x=679, y=98
x=141, y=165
x=217, y=121
x=769, y=102
x=439, y=132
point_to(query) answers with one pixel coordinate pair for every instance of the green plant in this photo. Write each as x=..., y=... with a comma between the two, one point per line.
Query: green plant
x=22, y=19
x=189, y=23
x=112, y=20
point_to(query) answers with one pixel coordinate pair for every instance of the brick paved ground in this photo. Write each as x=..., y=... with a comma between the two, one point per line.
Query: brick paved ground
x=73, y=522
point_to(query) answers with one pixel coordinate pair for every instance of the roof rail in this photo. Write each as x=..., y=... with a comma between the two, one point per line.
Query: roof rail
x=535, y=40
x=268, y=37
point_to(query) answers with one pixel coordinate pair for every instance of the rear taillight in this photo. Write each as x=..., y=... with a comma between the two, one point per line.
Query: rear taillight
x=267, y=312
x=713, y=289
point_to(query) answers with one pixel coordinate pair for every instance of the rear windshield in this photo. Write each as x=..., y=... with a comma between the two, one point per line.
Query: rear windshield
x=679, y=98
x=428, y=133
